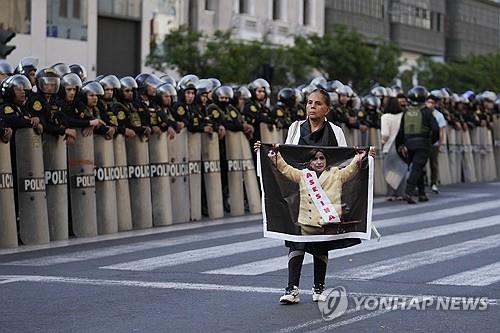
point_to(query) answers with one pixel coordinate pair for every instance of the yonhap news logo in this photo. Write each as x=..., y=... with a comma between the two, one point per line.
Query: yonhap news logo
x=338, y=302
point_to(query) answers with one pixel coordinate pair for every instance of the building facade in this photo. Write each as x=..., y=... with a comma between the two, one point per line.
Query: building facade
x=114, y=36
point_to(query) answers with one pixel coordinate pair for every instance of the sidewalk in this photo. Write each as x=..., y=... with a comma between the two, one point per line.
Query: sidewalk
x=144, y=232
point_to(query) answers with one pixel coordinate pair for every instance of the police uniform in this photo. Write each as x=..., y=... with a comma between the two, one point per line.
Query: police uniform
x=298, y=113
x=74, y=117
x=256, y=113
x=418, y=130
x=48, y=111
x=167, y=119
x=14, y=117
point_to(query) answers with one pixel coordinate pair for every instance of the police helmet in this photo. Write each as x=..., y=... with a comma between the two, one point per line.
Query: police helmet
x=334, y=98
x=126, y=82
x=6, y=68
x=417, y=95
x=299, y=96
x=436, y=94
x=488, y=96
x=259, y=83
x=215, y=83
x=288, y=97
x=69, y=80
x=204, y=86
x=445, y=93
x=455, y=98
x=241, y=92
x=79, y=70
x=167, y=89
x=223, y=91
x=390, y=92
x=332, y=86
x=319, y=82
x=90, y=88
x=61, y=68
x=345, y=90
x=307, y=90
x=110, y=81
x=188, y=82
x=398, y=91
x=168, y=79
x=10, y=83
x=47, y=81
x=371, y=101
x=26, y=65
x=145, y=79
x=379, y=91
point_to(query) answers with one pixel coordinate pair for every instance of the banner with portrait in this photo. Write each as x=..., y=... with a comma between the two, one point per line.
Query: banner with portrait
x=312, y=194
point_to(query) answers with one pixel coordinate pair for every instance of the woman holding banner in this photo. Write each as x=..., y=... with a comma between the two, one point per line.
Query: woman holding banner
x=316, y=130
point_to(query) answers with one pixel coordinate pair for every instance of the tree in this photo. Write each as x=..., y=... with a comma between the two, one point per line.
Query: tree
x=343, y=55
x=475, y=72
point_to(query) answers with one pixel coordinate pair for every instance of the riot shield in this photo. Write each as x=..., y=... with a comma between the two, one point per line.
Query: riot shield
x=33, y=217
x=234, y=155
x=250, y=177
x=179, y=176
x=379, y=184
x=490, y=173
x=139, y=182
x=478, y=152
x=496, y=142
x=270, y=133
x=105, y=186
x=194, y=157
x=444, y=170
x=82, y=186
x=8, y=229
x=451, y=135
x=123, y=206
x=469, y=169
x=56, y=182
x=160, y=181
x=212, y=175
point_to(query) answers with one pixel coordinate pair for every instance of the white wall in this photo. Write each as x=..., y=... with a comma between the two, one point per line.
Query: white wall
x=51, y=50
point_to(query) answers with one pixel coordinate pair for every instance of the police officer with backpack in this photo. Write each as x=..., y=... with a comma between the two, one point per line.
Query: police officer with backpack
x=417, y=132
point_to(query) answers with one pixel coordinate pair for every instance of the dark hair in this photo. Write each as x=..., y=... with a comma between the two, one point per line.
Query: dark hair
x=312, y=154
x=325, y=95
x=393, y=106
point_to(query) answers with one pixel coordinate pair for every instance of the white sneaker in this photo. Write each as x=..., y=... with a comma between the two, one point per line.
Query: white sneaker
x=291, y=296
x=434, y=188
x=318, y=295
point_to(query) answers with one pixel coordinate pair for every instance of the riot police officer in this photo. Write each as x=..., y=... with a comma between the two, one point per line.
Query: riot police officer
x=166, y=96
x=43, y=104
x=417, y=132
x=285, y=109
x=129, y=118
x=256, y=110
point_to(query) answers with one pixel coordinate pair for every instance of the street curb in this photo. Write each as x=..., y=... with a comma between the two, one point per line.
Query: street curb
x=134, y=233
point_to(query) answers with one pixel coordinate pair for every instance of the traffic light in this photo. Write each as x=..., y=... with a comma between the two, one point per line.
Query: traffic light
x=5, y=37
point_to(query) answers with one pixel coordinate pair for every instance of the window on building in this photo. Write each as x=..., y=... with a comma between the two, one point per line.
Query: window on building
x=126, y=8
x=16, y=15
x=77, y=6
x=306, y=14
x=438, y=21
x=210, y=5
x=63, y=8
x=62, y=25
x=243, y=6
x=276, y=9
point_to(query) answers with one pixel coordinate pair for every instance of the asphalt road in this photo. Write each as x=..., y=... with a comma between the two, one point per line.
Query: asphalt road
x=227, y=277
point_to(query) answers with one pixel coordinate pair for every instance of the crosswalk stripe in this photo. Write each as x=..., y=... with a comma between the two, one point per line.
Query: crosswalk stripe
x=281, y=262
x=185, y=257
x=431, y=204
x=481, y=276
x=141, y=246
x=438, y=214
x=414, y=260
x=130, y=248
